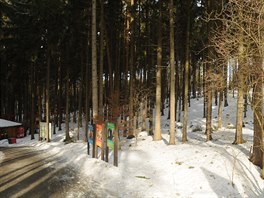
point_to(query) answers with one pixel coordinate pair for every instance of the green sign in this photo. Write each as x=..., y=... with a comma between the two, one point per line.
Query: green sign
x=110, y=135
x=110, y=126
x=110, y=144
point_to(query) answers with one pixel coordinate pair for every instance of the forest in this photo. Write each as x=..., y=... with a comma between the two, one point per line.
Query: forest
x=66, y=60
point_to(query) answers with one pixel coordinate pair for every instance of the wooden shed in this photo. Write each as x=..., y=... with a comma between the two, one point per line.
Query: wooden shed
x=8, y=128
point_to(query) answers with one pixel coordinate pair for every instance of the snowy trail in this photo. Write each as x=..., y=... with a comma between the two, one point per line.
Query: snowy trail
x=27, y=172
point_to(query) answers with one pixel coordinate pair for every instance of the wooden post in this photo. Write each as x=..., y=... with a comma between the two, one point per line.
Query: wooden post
x=116, y=141
x=88, y=146
x=94, y=143
x=106, y=146
x=103, y=142
x=106, y=153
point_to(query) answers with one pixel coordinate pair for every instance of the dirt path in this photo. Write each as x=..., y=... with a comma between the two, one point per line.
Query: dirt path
x=26, y=172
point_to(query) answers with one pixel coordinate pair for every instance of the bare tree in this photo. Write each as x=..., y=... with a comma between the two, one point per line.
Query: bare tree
x=241, y=39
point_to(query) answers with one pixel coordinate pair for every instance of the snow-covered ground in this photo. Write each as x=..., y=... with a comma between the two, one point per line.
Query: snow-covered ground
x=156, y=169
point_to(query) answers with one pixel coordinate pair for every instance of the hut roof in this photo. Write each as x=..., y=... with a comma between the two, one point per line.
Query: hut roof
x=6, y=123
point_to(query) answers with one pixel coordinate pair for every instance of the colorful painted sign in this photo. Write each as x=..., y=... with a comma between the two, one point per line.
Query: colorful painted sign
x=110, y=135
x=99, y=135
x=90, y=133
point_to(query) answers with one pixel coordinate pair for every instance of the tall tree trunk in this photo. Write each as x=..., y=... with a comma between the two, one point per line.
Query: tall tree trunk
x=186, y=80
x=240, y=91
x=258, y=152
x=220, y=109
x=74, y=101
x=149, y=59
x=209, y=102
x=39, y=107
x=150, y=112
x=194, y=82
x=144, y=112
x=179, y=108
x=19, y=106
x=126, y=43
x=94, y=64
x=204, y=91
x=80, y=99
x=67, y=118
x=87, y=101
x=55, y=111
x=239, y=114
x=101, y=63
x=131, y=80
x=226, y=88
x=262, y=119
x=176, y=88
x=43, y=102
x=59, y=95
x=209, y=77
x=245, y=105
x=172, y=76
x=47, y=94
x=110, y=65
x=88, y=87
x=216, y=97
x=199, y=81
x=32, y=108
x=157, y=134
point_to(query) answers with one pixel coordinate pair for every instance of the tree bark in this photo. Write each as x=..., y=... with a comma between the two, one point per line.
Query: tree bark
x=94, y=64
x=209, y=77
x=257, y=155
x=131, y=80
x=67, y=118
x=186, y=80
x=144, y=112
x=208, y=130
x=157, y=134
x=226, y=88
x=220, y=109
x=59, y=96
x=32, y=108
x=39, y=107
x=80, y=103
x=240, y=89
x=101, y=63
x=47, y=94
x=172, y=76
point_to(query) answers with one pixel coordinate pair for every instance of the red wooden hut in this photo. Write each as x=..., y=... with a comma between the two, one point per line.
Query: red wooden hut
x=10, y=130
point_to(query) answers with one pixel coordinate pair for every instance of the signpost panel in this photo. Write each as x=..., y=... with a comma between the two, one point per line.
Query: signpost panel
x=112, y=141
x=110, y=135
x=99, y=135
x=91, y=137
x=42, y=130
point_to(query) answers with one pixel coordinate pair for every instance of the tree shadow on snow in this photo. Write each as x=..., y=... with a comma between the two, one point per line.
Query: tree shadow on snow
x=225, y=188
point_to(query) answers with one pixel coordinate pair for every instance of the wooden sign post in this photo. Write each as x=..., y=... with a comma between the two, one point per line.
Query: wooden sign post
x=91, y=138
x=104, y=136
x=112, y=140
x=116, y=142
x=99, y=140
